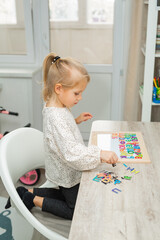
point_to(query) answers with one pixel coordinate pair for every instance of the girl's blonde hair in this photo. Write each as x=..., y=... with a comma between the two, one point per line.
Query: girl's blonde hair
x=59, y=70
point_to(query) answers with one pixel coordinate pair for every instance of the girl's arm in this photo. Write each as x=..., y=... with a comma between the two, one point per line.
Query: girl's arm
x=83, y=117
x=108, y=157
x=74, y=153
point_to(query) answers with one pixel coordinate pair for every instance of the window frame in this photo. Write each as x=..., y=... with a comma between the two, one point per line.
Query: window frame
x=81, y=23
x=29, y=56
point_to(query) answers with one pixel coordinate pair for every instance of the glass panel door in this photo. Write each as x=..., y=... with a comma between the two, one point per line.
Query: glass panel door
x=100, y=12
x=82, y=29
x=16, y=42
x=12, y=27
x=63, y=11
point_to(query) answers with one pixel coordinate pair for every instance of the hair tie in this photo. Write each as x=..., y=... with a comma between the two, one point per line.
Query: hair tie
x=55, y=59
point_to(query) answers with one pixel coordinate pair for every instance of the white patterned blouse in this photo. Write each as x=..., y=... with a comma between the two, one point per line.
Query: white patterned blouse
x=66, y=154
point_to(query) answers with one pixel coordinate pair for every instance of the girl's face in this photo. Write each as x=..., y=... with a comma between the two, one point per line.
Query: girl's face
x=68, y=97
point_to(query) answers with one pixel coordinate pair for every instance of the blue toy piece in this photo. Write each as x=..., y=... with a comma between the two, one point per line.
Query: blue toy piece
x=117, y=181
x=115, y=190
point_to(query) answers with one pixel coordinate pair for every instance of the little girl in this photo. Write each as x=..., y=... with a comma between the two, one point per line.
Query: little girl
x=65, y=79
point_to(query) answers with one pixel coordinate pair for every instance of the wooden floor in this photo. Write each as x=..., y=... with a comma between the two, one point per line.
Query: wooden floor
x=3, y=193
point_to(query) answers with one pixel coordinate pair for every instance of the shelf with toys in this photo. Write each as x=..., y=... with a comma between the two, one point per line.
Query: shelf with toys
x=149, y=92
x=155, y=102
x=156, y=90
x=157, y=52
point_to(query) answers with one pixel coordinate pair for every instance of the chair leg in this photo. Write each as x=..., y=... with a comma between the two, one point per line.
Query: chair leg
x=38, y=236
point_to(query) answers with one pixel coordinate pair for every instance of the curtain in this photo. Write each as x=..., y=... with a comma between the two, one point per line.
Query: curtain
x=132, y=104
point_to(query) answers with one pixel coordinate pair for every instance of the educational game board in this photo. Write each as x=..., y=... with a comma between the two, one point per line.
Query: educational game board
x=129, y=146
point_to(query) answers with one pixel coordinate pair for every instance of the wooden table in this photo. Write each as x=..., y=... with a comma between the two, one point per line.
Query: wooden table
x=132, y=214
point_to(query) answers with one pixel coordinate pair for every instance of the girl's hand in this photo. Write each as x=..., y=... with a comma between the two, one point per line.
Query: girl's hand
x=83, y=117
x=108, y=157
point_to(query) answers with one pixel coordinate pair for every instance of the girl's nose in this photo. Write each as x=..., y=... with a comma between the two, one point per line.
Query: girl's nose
x=79, y=97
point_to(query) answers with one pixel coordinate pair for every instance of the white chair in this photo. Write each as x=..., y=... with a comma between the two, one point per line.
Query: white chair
x=21, y=151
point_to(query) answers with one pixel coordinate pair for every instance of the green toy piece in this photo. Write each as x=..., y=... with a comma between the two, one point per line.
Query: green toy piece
x=128, y=178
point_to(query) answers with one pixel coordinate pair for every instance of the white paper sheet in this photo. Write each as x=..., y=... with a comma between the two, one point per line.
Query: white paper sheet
x=104, y=141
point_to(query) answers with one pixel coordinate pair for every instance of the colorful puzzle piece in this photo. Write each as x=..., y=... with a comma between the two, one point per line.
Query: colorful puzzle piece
x=126, y=177
x=115, y=190
x=117, y=181
x=97, y=179
x=127, y=144
x=109, y=177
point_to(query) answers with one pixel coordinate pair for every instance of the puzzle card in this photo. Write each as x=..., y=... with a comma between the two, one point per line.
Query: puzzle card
x=129, y=146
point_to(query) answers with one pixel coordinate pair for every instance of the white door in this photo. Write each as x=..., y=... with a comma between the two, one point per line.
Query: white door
x=91, y=31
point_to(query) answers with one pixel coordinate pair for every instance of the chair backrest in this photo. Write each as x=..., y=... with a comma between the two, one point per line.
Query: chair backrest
x=21, y=151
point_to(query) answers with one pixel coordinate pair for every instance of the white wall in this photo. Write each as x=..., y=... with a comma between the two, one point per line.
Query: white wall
x=21, y=92
x=96, y=98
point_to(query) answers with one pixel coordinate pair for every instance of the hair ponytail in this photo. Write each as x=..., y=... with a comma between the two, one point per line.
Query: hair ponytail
x=48, y=61
x=59, y=70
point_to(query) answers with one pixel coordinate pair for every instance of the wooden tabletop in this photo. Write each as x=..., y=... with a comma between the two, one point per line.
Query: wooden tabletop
x=133, y=213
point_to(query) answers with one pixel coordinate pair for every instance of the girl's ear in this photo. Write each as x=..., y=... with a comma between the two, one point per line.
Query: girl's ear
x=58, y=88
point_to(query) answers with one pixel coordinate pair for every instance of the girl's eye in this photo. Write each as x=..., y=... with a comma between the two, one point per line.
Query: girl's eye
x=76, y=94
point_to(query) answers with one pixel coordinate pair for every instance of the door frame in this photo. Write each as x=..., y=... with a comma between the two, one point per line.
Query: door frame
x=117, y=67
x=118, y=83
